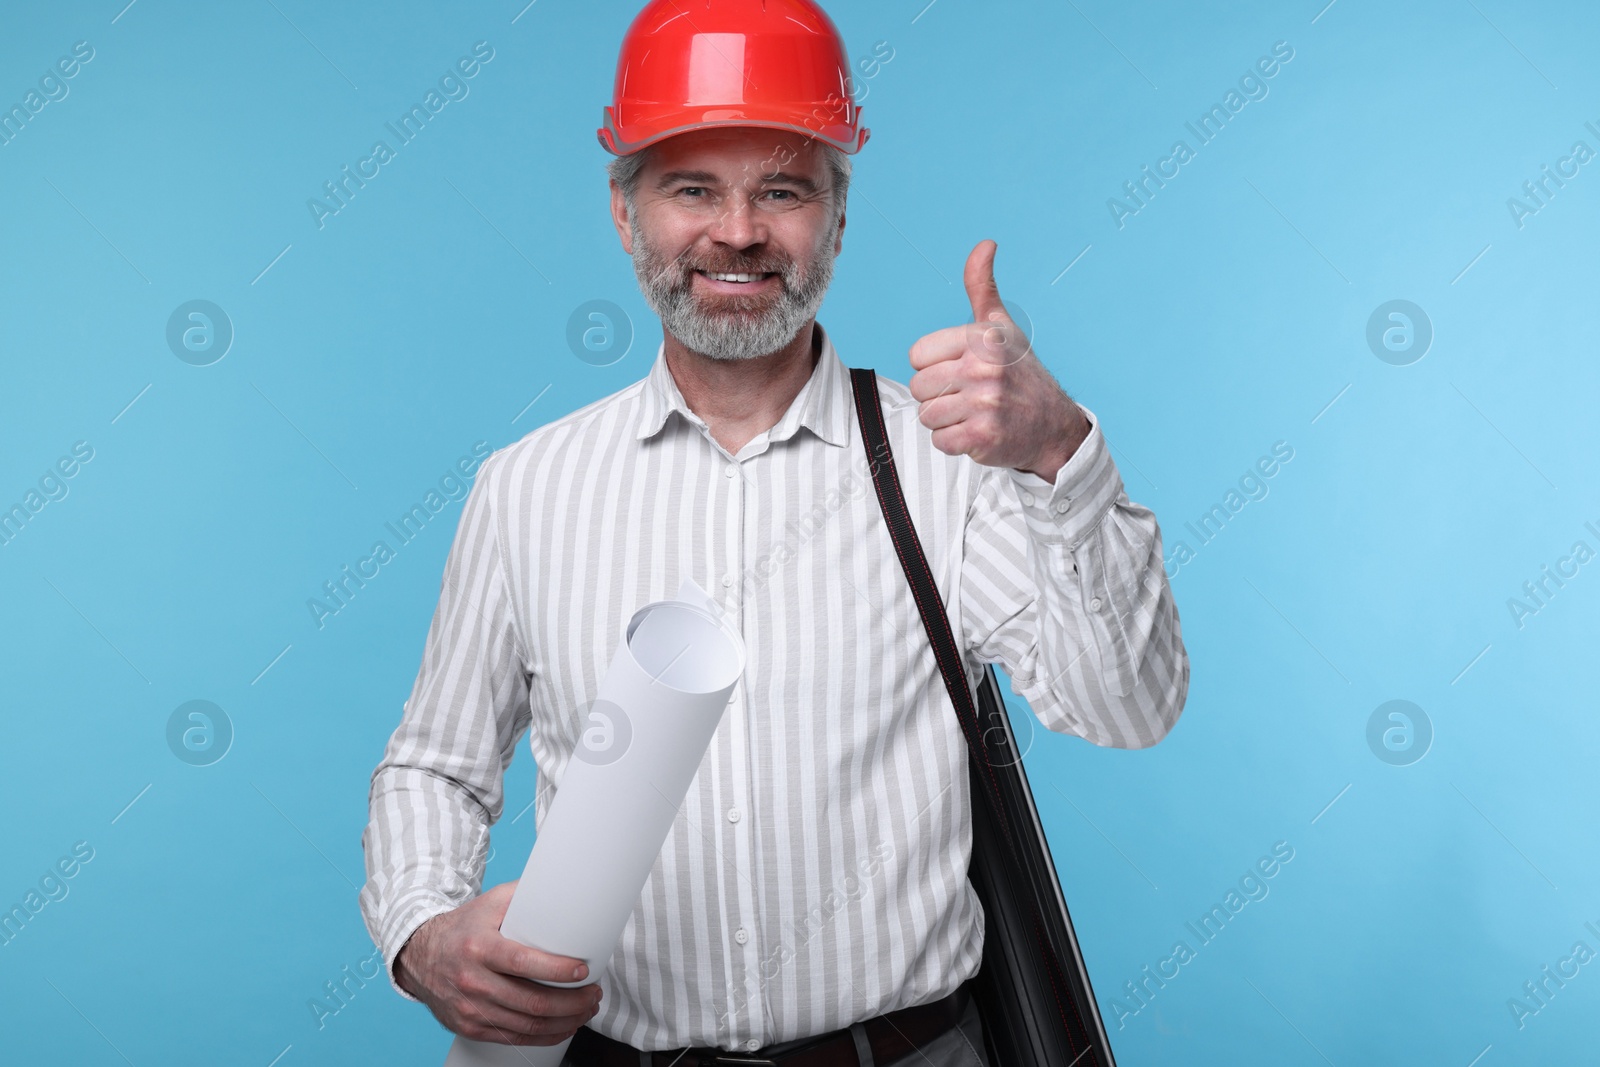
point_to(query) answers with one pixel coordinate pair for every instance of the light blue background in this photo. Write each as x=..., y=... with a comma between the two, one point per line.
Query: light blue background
x=1227, y=315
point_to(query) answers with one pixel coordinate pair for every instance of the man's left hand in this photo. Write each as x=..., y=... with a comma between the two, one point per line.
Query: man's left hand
x=984, y=392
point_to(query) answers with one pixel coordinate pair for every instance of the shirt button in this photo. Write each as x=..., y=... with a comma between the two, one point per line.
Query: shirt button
x=752, y=1044
x=1027, y=498
x=740, y=936
x=728, y=470
x=733, y=814
x=1061, y=508
x=727, y=580
x=1094, y=605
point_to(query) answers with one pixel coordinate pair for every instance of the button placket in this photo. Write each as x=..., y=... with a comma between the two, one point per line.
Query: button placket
x=750, y=1018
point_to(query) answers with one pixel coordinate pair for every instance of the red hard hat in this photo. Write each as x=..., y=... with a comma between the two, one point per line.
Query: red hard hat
x=692, y=64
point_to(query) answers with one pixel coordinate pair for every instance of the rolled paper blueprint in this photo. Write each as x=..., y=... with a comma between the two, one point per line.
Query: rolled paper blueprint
x=647, y=731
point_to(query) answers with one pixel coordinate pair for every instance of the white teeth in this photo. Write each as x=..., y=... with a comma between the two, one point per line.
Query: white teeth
x=733, y=277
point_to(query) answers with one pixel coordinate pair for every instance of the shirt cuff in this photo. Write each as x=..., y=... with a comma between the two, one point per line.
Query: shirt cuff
x=1067, y=510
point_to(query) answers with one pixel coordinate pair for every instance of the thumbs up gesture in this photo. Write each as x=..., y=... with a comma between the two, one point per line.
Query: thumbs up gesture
x=983, y=391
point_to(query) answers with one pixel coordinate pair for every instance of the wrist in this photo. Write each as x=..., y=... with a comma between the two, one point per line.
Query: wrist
x=402, y=960
x=1074, y=430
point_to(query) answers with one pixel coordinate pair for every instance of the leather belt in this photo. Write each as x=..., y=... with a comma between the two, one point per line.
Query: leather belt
x=890, y=1036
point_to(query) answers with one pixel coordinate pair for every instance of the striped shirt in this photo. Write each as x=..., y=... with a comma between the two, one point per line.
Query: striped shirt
x=816, y=873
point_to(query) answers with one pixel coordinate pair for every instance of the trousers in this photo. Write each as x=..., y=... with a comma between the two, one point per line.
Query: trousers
x=959, y=1046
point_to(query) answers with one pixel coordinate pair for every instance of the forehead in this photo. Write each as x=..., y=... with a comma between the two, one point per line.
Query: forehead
x=734, y=151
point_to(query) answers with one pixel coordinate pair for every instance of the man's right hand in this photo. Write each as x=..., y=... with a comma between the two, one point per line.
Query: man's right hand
x=484, y=986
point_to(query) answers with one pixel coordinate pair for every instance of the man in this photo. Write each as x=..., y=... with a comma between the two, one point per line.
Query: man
x=812, y=893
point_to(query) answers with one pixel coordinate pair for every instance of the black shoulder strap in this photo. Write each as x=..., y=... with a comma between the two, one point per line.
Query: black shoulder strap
x=988, y=789
x=909, y=548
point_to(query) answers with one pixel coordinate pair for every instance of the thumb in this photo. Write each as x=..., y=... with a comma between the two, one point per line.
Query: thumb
x=499, y=898
x=979, y=280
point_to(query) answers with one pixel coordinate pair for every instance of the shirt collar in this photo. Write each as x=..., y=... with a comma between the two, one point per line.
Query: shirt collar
x=823, y=404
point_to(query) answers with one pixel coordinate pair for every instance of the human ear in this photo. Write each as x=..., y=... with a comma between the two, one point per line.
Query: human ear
x=619, y=218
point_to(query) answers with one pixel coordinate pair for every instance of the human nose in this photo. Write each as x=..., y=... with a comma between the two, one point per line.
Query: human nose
x=738, y=224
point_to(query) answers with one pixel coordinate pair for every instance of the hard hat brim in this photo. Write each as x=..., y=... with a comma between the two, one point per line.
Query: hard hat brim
x=616, y=142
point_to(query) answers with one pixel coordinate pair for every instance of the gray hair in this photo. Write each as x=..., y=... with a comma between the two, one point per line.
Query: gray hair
x=624, y=170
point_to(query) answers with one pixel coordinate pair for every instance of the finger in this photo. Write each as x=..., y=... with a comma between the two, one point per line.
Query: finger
x=948, y=343
x=944, y=411
x=498, y=899
x=978, y=277
x=955, y=440
x=507, y=1027
x=486, y=1004
x=484, y=1020
x=934, y=381
x=998, y=340
x=531, y=1000
x=506, y=956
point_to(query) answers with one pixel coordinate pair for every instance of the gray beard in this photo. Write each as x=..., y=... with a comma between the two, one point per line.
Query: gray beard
x=743, y=327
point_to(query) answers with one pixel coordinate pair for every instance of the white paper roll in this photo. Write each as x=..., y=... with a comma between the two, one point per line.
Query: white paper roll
x=647, y=731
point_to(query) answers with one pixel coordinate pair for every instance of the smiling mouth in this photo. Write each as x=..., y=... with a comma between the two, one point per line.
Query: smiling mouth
x=737, y=278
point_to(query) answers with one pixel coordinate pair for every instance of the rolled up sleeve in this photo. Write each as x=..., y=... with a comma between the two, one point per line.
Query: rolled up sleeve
x=1063, y=584
x=438, y=788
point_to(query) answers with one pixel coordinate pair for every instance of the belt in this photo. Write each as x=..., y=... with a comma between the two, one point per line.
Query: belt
x=890, y=1036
